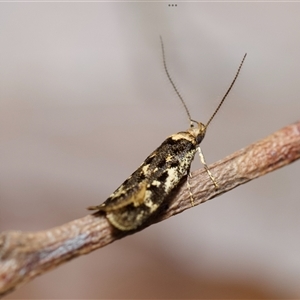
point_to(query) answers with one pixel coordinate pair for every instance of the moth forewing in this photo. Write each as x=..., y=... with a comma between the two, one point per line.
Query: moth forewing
x=146, y=189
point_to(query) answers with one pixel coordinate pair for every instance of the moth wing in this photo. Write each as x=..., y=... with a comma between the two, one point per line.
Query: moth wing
x=128, y=193
x=145, y=190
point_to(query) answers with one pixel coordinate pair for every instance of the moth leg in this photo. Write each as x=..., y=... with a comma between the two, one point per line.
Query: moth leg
x=206, y=167
x=189, y=189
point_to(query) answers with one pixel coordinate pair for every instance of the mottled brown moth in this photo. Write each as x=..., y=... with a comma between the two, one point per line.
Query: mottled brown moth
x=139, y=196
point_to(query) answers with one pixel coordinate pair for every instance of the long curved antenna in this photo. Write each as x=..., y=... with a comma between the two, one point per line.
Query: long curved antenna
x=230, y=87
x=173, y=84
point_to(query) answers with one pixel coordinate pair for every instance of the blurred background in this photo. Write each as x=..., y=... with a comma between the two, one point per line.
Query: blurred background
x=84, y=100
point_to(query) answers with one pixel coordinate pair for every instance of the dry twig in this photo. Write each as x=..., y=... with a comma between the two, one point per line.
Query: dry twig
x=24, y=255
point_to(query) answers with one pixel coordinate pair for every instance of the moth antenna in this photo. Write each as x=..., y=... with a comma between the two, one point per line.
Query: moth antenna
x=226, y=94
x=173, y=84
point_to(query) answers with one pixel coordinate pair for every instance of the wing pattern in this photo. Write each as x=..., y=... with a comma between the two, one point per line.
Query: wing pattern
x=145, y=190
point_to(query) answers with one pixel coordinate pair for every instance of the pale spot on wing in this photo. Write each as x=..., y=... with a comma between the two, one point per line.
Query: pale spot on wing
x=182, y=135
x=169, y=158
x=149, y=203
x=172, y=177
x=145, y=169
x=156, y=183
x=139, y=197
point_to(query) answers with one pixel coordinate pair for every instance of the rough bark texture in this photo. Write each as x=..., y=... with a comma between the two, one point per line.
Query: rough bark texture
x=24, y=255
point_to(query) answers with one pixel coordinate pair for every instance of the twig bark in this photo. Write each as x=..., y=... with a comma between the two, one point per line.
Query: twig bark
x=24, y=255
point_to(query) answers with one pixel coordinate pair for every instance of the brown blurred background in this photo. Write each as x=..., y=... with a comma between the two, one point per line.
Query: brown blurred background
x=84, y=99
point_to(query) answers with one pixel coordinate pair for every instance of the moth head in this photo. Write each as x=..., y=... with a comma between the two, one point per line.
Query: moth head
x=197, y=130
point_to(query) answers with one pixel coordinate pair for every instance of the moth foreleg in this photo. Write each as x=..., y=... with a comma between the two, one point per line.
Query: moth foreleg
x=206, y=167
x=189, y=189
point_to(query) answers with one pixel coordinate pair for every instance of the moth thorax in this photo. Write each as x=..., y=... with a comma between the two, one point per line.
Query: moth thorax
x=198, y=131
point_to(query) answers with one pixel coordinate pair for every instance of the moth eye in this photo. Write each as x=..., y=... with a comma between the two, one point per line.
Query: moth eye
x=199, y=138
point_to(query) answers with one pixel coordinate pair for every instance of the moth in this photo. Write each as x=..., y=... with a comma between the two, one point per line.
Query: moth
x=143, y=193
